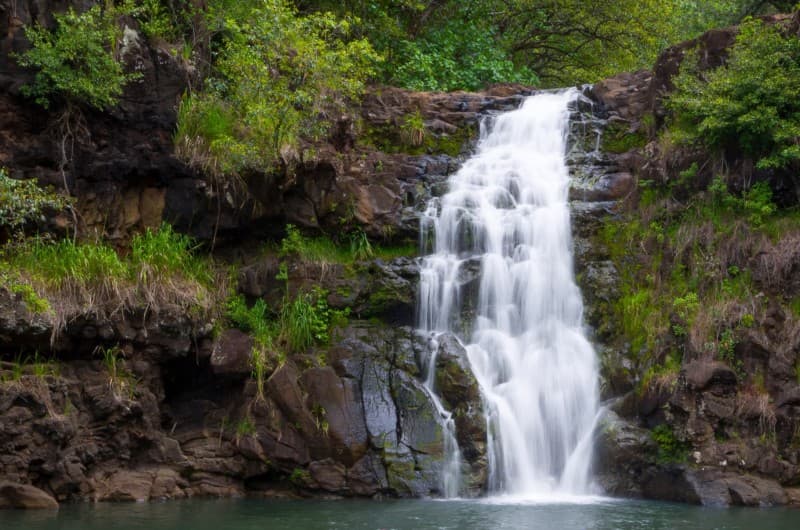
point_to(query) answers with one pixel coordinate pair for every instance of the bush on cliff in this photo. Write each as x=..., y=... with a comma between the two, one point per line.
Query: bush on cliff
x=751, y=105
x=23, y=202
x=279, y=77
x=76, y=62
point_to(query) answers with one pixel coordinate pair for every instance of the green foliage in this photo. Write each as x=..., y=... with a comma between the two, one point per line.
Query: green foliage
x=36, y=366
x=300, y=477
x=307, y=320
x=35, y=303
x=322, y=249
x=257, y=321
x=459, y=52
x=120, y=379
x=752, y=104
x=158, y=21
x=23, y=202
x=670, y=449
x=79, y=277
x=685, y=308
x=579, y=41
x=252, y=319
x=277, y=73
x=726, y=350
x=76, y=62
x=320, y=418
x=360, y=247
x=160, y=254
x=412, y=130
x=245, y=427
x=755, y=204
x=468, y=44
x=661, y=376
x=619, y=140
x=66, y=264
x=205, y=126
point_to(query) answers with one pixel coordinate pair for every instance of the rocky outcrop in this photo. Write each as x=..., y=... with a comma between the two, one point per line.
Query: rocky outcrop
x=354, y=419
x=23, y=496
x=721, y=431
x=122, y=169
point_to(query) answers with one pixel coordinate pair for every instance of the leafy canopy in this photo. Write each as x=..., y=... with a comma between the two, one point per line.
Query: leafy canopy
x=76, y=61
x=468, y=44
x=751, y=104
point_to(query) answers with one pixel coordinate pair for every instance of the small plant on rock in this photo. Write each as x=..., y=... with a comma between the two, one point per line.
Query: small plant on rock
x=121, y=381
x=670, y=449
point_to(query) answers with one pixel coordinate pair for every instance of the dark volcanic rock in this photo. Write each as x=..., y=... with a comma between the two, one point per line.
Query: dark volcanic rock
x=460, y=393
x=232, y=353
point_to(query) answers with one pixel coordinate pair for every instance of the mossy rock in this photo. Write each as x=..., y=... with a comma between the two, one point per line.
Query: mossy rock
x=617, y=138
x=389, y=139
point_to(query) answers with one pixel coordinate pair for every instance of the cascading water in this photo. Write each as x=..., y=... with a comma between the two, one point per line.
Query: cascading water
x=507, y=211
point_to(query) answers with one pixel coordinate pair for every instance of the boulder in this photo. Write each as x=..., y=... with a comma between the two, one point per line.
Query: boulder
x=125, y=485
x=231, y=354
x=701, y=374
x=26, y=497
x=623, y=454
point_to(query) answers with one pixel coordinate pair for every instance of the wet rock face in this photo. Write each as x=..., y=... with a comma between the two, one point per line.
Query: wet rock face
x=460, y=393
x=355, y=420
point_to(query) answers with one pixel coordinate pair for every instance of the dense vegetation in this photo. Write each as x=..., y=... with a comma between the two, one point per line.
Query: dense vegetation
x=275, y=72
x=711, y=245
x=751, y=105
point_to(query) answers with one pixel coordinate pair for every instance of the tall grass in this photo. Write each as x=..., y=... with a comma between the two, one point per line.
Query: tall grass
x=75, y=278
x=691, y=273
x=167, y=270
x=353, y=247
x=304, y=321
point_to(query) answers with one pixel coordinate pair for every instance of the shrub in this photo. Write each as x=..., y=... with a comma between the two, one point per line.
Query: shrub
x=750, y=104
x=670, y=449
x=76, y=61
x=459, y=53
x=307, y=320
x=278, y=74
x=755, y=204
x=23, y=202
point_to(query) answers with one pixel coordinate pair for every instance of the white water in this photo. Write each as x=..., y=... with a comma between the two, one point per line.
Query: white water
x=507, y=208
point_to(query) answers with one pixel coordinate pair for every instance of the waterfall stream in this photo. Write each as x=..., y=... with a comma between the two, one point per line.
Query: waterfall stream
x=506, y=212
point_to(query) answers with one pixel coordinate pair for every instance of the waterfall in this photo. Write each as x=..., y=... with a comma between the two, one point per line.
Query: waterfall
x=506, y=211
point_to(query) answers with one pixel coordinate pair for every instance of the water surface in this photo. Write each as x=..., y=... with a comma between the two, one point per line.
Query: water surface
x=250, y=514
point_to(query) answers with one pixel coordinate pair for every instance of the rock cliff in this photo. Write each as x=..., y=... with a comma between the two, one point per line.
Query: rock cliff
x=174, y=411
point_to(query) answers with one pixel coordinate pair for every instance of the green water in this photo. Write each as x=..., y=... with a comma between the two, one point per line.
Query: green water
x=346, y=514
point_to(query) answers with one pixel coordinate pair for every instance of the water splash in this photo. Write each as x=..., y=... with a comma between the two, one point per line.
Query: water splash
x=507, y=211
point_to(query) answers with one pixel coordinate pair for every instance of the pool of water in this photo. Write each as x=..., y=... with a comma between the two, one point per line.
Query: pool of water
x=250, y=514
